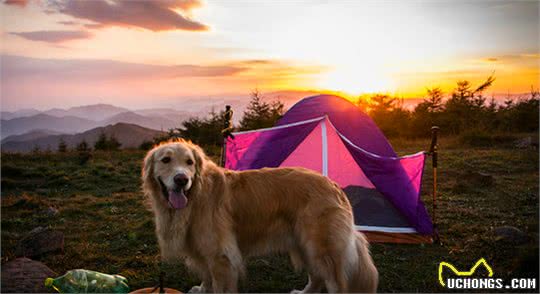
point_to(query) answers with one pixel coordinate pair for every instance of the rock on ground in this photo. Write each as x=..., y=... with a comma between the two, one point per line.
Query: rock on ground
x=23, y=275
x=40, y=241
x=471, y=177
x=510, y=234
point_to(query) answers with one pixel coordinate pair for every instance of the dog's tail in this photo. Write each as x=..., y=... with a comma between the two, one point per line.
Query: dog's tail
x=364, y=278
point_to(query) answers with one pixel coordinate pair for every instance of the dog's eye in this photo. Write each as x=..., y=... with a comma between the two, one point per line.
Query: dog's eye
x=166, y=159
x=189, y=162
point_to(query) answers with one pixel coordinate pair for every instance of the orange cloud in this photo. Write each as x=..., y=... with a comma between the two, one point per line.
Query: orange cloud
x=21, y=3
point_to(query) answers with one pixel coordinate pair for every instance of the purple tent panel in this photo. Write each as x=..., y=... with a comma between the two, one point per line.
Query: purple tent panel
x=346, y=117
x=399, y=179
x=266, y=147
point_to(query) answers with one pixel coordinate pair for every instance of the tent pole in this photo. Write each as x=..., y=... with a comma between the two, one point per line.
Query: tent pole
x=434, y=162
x=226, y=132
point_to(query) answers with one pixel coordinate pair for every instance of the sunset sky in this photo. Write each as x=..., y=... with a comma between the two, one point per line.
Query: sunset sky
x=162, y=53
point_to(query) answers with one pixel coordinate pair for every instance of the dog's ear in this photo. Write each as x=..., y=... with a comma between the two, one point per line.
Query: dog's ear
x=199, y=157
x=148, y=168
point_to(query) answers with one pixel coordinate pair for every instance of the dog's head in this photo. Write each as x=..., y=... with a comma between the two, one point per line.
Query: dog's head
x=171, y=171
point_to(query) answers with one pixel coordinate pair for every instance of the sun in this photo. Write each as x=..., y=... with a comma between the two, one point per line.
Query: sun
x=355, y=81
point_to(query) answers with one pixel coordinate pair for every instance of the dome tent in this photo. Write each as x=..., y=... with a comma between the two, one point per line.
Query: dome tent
x=330, y=135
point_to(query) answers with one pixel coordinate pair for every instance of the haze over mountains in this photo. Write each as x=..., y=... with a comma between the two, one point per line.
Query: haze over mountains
x=129, y=135
x=31, y=127
x=25, y=129
x=83, y=118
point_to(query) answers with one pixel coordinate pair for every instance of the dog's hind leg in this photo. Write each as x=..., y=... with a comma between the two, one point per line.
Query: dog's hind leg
x=334, y=278
x=325, y=245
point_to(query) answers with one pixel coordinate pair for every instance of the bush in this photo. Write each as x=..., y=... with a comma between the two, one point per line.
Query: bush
x=480, y=138
x=62, y=146
x=108, y=144
x=84, y=157
x=82, y=147
x=476, y=138
x=146, y=145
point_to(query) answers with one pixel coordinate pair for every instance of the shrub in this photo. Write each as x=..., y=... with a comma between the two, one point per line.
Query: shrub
x=146, y=145
x=108, y=144
x=82, y=147
x=62, y=146
x=480, y=138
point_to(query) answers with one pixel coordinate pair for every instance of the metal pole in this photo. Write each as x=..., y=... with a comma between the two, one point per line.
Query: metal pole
x=434, y=163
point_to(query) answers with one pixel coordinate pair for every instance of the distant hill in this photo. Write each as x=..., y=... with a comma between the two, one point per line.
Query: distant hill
x=66, y=124
x=18, y=113
x=79, y=119
x=94, y=112
x=171, y=114
x=151, y=122
x=129, y=135
x=35, y=134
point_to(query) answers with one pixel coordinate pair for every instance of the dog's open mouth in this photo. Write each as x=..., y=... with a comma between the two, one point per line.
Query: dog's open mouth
x=176, y=197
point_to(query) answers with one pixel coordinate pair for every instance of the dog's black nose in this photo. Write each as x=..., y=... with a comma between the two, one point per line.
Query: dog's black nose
x=181, y=180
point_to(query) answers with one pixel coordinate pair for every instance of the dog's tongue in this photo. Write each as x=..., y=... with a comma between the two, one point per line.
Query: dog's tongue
x=177, y=199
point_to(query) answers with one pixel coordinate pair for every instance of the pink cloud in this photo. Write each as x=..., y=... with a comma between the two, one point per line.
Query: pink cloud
x=81, y=24
x=160, y=15
x=53, y=36
x=16, y=67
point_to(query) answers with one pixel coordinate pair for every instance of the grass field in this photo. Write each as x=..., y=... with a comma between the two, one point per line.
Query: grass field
x=107, y=227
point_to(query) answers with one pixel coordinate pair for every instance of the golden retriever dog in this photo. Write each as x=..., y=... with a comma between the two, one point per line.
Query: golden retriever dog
x=215, y=218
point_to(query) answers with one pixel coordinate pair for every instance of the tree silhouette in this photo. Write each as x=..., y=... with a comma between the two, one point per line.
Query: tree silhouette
x=104, y=143
x=260, y=114
x=82, y=147
x=101, y=143
x=434, y=101
x=62, y=147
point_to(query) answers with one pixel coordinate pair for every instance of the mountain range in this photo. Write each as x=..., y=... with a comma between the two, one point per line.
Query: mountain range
x=94, y=112
x=129, y=135
x=83, y=118
x=23, y=130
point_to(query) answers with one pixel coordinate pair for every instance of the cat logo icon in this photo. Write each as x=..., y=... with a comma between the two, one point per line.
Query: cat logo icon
x=469, y=273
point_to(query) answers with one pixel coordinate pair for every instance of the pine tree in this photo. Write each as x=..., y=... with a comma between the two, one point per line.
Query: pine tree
x=260, y=114
x=62, y=146
x=82, y=147
x=113, y=143
x=101, y=143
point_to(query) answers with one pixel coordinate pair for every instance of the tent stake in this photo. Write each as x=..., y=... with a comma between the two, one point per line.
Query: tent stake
x=434, y=162
x=226, y=132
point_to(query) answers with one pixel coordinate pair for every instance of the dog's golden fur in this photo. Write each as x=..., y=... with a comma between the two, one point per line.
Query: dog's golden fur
x=234, y=215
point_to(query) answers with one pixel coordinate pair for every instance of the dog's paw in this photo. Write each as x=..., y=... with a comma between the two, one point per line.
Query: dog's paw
x=297, y=292
x=196, y=289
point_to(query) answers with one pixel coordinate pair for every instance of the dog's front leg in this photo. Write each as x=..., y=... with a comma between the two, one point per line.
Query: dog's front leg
x=224, y=275
x=202, y=288
x=201, y=269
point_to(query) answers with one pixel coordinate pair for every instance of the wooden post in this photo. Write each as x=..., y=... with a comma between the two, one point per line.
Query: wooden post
x=434, y=162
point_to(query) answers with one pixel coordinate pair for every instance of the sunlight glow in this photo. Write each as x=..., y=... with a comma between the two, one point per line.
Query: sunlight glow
x=356, y=81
